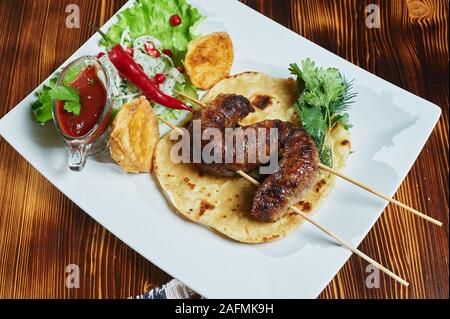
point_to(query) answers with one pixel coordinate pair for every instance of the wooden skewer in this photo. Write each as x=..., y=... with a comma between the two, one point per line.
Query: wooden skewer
x=322, y=228
x=336, y=237
x=389, y=199
x=171, y=125
x=200, y=103
x=187, y=97
x=353, y=181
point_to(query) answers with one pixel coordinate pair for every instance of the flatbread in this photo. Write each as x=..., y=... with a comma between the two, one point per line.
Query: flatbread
x=223, y=203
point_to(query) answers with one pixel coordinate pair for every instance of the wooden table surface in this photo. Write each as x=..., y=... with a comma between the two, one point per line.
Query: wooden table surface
x=41, y=231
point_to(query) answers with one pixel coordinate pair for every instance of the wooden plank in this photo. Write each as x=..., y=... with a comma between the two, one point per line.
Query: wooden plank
x=41, y=231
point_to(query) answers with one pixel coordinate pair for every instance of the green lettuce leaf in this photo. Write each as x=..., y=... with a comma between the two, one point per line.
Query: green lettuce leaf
x=188, y=89
x=152, y=17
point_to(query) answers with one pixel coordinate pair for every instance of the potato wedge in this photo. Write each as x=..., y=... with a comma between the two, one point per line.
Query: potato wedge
x=209, y=59
x=135, y=133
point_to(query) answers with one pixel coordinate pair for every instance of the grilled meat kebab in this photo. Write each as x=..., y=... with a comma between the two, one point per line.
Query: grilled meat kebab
x=298, y=155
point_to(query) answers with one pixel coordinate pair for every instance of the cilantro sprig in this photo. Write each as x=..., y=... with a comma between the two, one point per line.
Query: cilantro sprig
x=43, y=106
x=70, y=96
x=325, y=96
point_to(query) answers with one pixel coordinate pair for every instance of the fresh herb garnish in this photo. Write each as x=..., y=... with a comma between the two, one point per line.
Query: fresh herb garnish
x=64, y=93
x=43, y=106
x=325, y=96
x=70, y=96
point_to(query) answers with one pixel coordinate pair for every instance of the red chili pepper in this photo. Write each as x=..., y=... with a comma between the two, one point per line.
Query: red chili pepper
x=131, y=71
x=134, y=74
x=101, y=54
x=130, y=51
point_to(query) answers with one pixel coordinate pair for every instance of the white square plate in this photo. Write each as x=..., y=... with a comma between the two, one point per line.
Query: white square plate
x=390, y=129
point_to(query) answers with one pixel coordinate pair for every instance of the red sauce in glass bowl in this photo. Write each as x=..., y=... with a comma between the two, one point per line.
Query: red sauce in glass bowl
x=93, y=98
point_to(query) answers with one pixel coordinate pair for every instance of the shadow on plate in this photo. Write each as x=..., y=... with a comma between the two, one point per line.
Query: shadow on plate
x=45, y=136
x=391, y=120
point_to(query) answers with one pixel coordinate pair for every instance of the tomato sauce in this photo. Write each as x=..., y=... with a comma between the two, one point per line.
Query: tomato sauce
x=93, y=97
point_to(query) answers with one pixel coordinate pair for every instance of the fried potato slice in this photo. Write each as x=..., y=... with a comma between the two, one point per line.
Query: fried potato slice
x=135, y=133
x=209, y=59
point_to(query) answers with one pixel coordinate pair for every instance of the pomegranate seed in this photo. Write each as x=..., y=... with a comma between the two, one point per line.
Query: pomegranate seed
x=167, y=52
x=154, y=53
x=175, y=20
x=149, y=46
x=160, y=78
x=181, y=69
x=101, y=54
x=130, y=51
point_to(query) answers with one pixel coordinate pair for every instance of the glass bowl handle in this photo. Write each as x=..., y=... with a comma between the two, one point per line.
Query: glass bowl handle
x=78, y=155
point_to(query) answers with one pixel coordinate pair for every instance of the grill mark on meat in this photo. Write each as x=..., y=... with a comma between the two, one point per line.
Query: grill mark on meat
x=297, y=172
x=298, y=157
x=226, y=111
